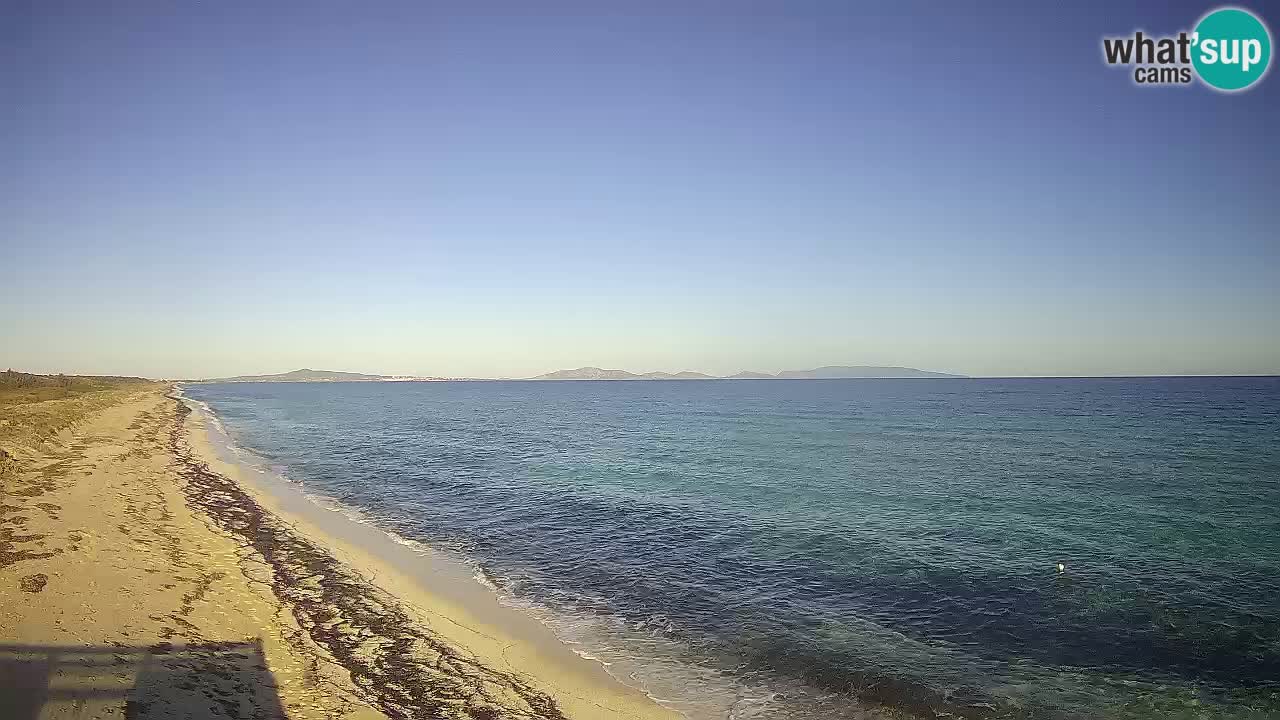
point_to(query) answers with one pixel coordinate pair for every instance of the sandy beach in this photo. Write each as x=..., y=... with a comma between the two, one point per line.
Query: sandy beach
x=144, y=574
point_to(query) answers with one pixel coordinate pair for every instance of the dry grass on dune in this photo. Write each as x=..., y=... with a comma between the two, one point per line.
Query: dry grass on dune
x=35, y=408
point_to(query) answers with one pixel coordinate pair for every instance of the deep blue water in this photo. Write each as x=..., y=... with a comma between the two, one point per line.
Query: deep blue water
x=810, y=548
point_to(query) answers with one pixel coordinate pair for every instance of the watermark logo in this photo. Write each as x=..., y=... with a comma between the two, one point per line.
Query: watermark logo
x=1234, y=49
x=1229, y=50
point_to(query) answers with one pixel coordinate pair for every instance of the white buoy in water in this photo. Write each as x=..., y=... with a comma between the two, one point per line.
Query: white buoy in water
x=1062, y=568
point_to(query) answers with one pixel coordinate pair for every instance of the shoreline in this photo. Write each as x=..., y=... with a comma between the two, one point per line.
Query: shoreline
x=143, y=576
x=447, y=609
x=118, y=599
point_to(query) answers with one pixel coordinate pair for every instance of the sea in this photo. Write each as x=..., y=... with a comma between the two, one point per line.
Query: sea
x=896, y=548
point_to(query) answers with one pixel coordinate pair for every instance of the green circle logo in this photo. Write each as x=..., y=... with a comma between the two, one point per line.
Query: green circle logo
x=1232, y=49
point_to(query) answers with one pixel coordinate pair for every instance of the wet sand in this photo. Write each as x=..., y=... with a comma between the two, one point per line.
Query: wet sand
x=143, y=574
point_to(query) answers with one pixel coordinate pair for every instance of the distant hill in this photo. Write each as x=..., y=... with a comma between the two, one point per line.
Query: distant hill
x=686, y=375
x=304, y=375
x=860, y=371
x=595, y=373
x=589, y=373
x=827, y=372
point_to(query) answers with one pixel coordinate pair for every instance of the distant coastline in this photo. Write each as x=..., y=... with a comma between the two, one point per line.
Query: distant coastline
x=827, y=372
x=307, y=375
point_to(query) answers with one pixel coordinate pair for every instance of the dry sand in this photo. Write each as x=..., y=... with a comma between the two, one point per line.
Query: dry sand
x=143, y=576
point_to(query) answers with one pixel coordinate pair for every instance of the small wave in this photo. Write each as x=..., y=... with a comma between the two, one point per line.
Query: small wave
x=482, y=577
x=415, y=545
x=588, y=656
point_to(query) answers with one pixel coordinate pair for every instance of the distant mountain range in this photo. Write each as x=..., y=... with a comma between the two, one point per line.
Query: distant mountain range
x=822, y=373
x=860, y=371
x=308, y=375
x=594, y=373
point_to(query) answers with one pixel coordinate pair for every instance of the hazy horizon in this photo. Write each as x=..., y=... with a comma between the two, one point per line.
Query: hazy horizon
x=198, y=190
x=640, y=371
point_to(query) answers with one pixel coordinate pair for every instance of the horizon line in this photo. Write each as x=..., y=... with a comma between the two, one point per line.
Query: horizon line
x=940, y=375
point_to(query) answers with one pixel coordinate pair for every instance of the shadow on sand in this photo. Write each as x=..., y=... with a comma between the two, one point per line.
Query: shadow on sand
x=225, y=679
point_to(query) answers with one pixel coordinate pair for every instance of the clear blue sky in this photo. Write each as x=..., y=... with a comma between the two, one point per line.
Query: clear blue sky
x=502, y=189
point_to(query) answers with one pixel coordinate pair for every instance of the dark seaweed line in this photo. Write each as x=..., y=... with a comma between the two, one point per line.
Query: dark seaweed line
x=405, y=670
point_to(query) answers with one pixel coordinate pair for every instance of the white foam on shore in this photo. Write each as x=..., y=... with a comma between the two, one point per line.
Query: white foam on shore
x=642, y=661
x=483, y=578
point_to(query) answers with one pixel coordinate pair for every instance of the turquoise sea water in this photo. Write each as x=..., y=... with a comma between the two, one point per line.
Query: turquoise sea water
x=840, y=549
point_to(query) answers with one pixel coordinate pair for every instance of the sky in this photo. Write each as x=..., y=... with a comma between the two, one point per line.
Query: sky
x=486, y=189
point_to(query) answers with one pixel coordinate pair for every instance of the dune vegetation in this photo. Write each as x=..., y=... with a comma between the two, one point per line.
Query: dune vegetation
x=34, y=408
